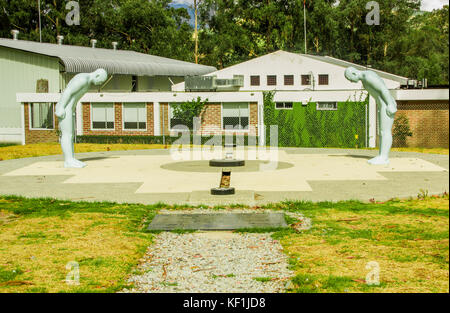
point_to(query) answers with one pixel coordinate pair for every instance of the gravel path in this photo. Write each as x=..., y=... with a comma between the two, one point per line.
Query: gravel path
x=219, y=262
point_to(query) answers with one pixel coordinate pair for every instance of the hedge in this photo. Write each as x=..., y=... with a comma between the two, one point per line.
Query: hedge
x=106, y=139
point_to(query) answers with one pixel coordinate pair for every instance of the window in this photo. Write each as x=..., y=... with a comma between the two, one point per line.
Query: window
x=134, y=83
x=284, y=105
x=326, y=106
x=323, y=79
x=134, y=116
x=288, y=80
x=271, y=80
x=254, y=81
x=306, y=80
x=41, y=115
x=235, y=115
x=102, y=115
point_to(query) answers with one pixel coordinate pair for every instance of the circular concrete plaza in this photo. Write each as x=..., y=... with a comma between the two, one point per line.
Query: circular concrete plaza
x=151, y=176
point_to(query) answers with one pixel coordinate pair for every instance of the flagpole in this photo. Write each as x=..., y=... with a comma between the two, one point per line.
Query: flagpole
x=39, y=10
x=304, y=21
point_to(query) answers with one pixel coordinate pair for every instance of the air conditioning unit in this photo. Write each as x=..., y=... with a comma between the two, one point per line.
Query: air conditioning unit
x=200, y=83
x=236, y=81
x=412, y=83
x=212, y=83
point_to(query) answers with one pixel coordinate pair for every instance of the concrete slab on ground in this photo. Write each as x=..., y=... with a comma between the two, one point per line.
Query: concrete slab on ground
x=217, y=221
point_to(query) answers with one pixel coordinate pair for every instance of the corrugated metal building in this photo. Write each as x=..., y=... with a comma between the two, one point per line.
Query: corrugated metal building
x=23, y=63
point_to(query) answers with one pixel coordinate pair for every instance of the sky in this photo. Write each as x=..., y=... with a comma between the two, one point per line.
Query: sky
x=430, y=5
x=427, y=5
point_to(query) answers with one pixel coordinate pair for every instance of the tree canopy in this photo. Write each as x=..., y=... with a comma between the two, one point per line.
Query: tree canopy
x=406, y=42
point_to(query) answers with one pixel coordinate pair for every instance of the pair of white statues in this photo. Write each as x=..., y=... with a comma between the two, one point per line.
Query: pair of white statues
x=80, y=84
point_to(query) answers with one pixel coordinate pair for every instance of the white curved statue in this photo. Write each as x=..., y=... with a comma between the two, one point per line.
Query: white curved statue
x=65, y=111
x=386, y=108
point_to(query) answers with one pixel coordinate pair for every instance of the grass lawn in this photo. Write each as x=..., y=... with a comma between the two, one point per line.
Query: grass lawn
x=40, y=149
x=409, y=239
x=423, y=150
x=9, y=151
x=40, y=236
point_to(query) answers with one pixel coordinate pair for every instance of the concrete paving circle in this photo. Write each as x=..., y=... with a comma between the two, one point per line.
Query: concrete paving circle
x=151, y=176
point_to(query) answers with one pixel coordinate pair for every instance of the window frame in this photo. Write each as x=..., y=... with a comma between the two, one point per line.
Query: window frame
x=309, y=78
x=30, y=118
x=328, y=79
x=251, y=81
x=327, y=109
x=271, y=76
x=284, y=105
x=289, y=76
x=123, y=118
x=222, y=126
x=114, y=115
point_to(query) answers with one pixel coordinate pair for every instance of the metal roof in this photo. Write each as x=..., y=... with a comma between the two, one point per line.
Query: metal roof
x=77, y=59
x=334, y=61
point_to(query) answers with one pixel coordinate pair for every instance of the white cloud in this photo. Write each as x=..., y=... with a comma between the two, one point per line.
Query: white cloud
x=430, y=5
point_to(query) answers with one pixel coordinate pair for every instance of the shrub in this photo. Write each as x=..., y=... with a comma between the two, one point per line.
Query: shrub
x=185, y=112
x=107, y=139
x=401, y=130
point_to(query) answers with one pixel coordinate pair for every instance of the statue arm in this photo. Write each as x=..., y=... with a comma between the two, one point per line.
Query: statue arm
x=62, y=103
x=391, y=105
x=378, y=84
x=69, y=93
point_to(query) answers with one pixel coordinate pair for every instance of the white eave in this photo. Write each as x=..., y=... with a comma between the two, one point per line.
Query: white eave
x=420, y=94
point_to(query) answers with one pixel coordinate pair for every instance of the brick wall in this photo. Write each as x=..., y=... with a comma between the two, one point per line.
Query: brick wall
x=164, y=116
x=118, y=125
x=39, y=135
x=253, y=118
x=212, y=119
x=428, y=121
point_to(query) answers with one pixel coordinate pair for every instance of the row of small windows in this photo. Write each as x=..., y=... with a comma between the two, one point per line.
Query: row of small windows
x=289, y=80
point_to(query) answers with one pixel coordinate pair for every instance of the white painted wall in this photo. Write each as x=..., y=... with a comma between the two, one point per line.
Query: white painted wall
x=282, y=63
x=11, y=134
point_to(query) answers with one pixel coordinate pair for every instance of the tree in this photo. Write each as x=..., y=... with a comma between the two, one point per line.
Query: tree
x=401, y=130
x=185, y=112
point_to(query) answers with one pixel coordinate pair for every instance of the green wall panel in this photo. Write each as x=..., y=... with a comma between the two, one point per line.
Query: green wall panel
x=305, y=126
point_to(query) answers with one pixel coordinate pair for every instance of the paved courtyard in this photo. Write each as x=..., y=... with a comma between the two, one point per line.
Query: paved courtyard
x=151, y=176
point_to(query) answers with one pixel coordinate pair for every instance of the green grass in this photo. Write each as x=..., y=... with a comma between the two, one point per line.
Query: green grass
x=263, y=279
x=409, y=239
x=7, y=144
x=226, y=276
x=9, y=275
x=105, y=239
